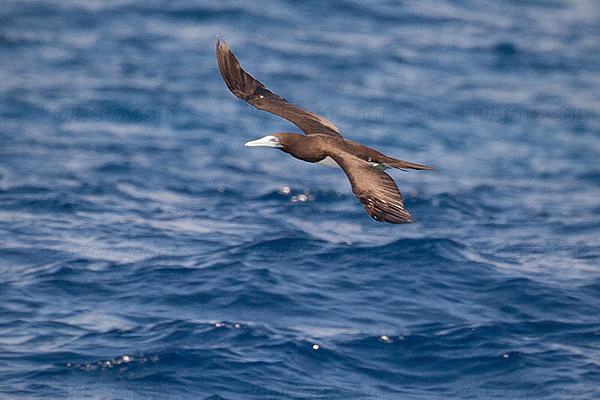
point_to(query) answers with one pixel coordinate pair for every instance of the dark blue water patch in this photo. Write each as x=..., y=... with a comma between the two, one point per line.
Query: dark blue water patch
x=288, y=245
x=14, y=106
x=592, y=177
x=10, y=41
x=196, y=13
x=115, y=168
x=175, y=365
x=490, y=350
x=412, y=251
x=40, y=200
x=23, y=261
x=508, y=56
x=457, y=206
x=392, y=15
x=505, y=49
x=112, y=111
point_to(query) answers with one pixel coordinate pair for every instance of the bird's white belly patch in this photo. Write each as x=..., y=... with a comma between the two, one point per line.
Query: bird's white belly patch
x=330, y=162
x=381, y=166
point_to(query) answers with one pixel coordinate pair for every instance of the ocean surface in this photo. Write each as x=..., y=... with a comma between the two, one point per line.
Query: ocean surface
x=145, y=253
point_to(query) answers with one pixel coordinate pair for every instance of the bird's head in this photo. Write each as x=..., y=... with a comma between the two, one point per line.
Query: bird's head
x=281, y=140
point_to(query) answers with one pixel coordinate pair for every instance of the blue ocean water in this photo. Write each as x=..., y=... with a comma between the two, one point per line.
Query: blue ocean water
x=145, y=253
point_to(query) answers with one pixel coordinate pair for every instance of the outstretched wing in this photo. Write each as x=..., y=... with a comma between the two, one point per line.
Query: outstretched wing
x=375, y=189
x=253, y=92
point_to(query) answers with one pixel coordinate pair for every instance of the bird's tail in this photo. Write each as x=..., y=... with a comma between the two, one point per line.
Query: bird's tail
x=392, y=162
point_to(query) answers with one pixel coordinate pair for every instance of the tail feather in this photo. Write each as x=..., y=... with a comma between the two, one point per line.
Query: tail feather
x=406, y=165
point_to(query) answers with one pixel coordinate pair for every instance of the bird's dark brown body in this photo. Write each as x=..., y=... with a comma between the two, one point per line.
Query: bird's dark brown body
x=314, y=148
x=322, y=142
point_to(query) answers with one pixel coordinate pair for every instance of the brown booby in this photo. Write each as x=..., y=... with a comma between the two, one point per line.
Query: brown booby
x=322, y=143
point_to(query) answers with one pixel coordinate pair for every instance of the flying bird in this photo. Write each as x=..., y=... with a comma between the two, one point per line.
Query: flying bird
x=322, y=143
